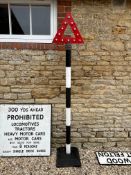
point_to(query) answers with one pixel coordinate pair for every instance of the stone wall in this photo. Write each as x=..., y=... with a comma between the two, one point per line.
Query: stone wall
x=102, y=74
x=101, y=78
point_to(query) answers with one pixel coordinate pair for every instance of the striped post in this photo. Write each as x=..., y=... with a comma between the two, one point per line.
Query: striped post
x=68, y=156
x=68, y=98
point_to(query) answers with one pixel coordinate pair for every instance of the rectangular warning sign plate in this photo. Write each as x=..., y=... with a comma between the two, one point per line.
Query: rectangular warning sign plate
x=25, y=130
x=114, y=158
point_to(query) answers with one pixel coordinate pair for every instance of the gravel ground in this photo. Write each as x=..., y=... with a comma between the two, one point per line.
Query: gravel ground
x=47, y=165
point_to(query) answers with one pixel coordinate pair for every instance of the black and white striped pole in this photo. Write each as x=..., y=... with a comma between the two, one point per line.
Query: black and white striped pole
x=68, y=156
x=68, y=98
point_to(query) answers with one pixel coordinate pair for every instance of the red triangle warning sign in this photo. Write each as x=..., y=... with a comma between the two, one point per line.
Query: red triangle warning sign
x=61, y=39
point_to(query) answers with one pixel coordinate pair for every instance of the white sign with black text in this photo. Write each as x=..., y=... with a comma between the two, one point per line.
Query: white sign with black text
x=25, y=130
x=114, y=158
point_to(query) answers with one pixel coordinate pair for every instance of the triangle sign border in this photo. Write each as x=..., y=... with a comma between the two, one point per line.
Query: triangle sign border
x=61, y=39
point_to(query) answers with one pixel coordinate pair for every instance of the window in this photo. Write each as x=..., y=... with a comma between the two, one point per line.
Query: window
x=28, y=21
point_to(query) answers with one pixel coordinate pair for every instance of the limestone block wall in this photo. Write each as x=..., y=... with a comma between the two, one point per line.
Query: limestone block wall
x=101, y=78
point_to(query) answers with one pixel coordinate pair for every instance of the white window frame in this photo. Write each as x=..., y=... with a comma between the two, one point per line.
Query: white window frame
x=33, y=38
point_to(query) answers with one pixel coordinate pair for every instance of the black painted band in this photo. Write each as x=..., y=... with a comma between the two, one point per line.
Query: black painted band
x=68, y=58
x=68, y=134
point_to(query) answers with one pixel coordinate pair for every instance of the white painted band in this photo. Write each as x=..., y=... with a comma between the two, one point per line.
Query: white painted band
x=68, y=148
x=68, y=116
x=68, y=77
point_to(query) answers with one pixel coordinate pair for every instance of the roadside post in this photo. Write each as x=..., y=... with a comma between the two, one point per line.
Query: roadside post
x=68, y=156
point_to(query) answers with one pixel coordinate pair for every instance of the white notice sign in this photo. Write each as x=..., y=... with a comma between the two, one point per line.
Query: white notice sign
x=114, y=158
x=25, y=130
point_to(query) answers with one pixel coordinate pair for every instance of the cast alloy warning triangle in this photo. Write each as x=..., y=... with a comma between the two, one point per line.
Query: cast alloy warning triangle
x=61, y=39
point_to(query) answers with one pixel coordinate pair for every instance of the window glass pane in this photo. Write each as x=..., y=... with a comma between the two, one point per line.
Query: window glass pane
x=4, y=20
x=20, y=19
x=40, y=20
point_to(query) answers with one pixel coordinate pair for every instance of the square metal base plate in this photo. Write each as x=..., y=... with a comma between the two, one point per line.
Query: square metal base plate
x=67, y=160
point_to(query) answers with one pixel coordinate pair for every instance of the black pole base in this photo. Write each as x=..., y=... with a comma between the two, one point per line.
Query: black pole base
x=67, y=160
